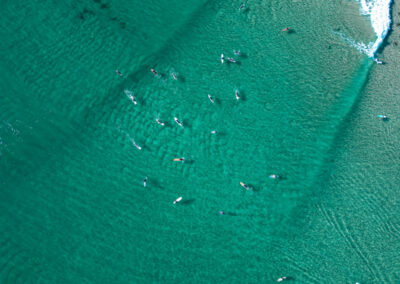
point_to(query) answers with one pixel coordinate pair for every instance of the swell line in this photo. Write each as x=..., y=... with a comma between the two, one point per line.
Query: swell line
x=339, y=227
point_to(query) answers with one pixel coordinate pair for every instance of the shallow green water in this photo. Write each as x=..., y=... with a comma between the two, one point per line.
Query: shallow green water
x=74, y=209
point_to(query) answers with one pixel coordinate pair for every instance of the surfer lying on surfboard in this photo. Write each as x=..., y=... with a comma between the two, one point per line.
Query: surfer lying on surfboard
x=179, y=159
x=132, y=98
x=211, y=99
x=160, y=122
x=245, y=186
x=153, y=71
x=136, y=145
x=178, y=200
x=178, y=122
x=383, y=117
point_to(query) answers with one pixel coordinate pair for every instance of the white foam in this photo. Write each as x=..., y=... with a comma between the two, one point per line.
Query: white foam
x=379, y=13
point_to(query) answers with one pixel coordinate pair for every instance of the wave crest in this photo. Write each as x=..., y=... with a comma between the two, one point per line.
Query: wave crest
x=379, y=13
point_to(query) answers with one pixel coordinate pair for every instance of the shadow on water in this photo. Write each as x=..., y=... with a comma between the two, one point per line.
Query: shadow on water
x=386, y=40
x=188, y=201
x=105, y=6
x=244, y=10
x=155, y=183
x=218, y=102
x=242, y=95
x=189, y=161
x=181, y=79
x=141, y=102
x=186, y=123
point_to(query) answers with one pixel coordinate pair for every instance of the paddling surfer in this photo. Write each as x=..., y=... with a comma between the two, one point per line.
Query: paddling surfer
x=245, y=185
x=178, y=122
x=160, y=122
x=274, y=176
x=133, y=99
x=144, y=181
x=382, y=117
x=136, y=145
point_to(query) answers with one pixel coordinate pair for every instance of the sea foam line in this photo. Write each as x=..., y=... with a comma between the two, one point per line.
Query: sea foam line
x=379, y=13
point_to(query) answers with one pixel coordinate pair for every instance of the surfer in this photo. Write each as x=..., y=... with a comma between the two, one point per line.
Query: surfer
x=214, y=132
x=144, y=181
x=153, y=71
x=245, y=185
x=160, y=122
x=221, y=212
x=179, y=159
x=286, y=29
x=178, y=122
x=231, y=60
x=174, y=76
x=281, y=279
x=119, y=73
x=133, y=99
x=242, y=6
x=274, y=176
x=136, y=145
x=178, y=200
x=237, y=94
x=378, y=61
x=222, y=58
x=211, y=99
x=236, y=52
x=382, y=117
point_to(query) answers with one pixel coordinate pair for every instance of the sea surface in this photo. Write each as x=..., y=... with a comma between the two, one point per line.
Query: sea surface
x=72, y=201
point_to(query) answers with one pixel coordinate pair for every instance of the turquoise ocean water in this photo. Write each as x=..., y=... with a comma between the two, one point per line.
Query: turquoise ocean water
x=74, y=209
